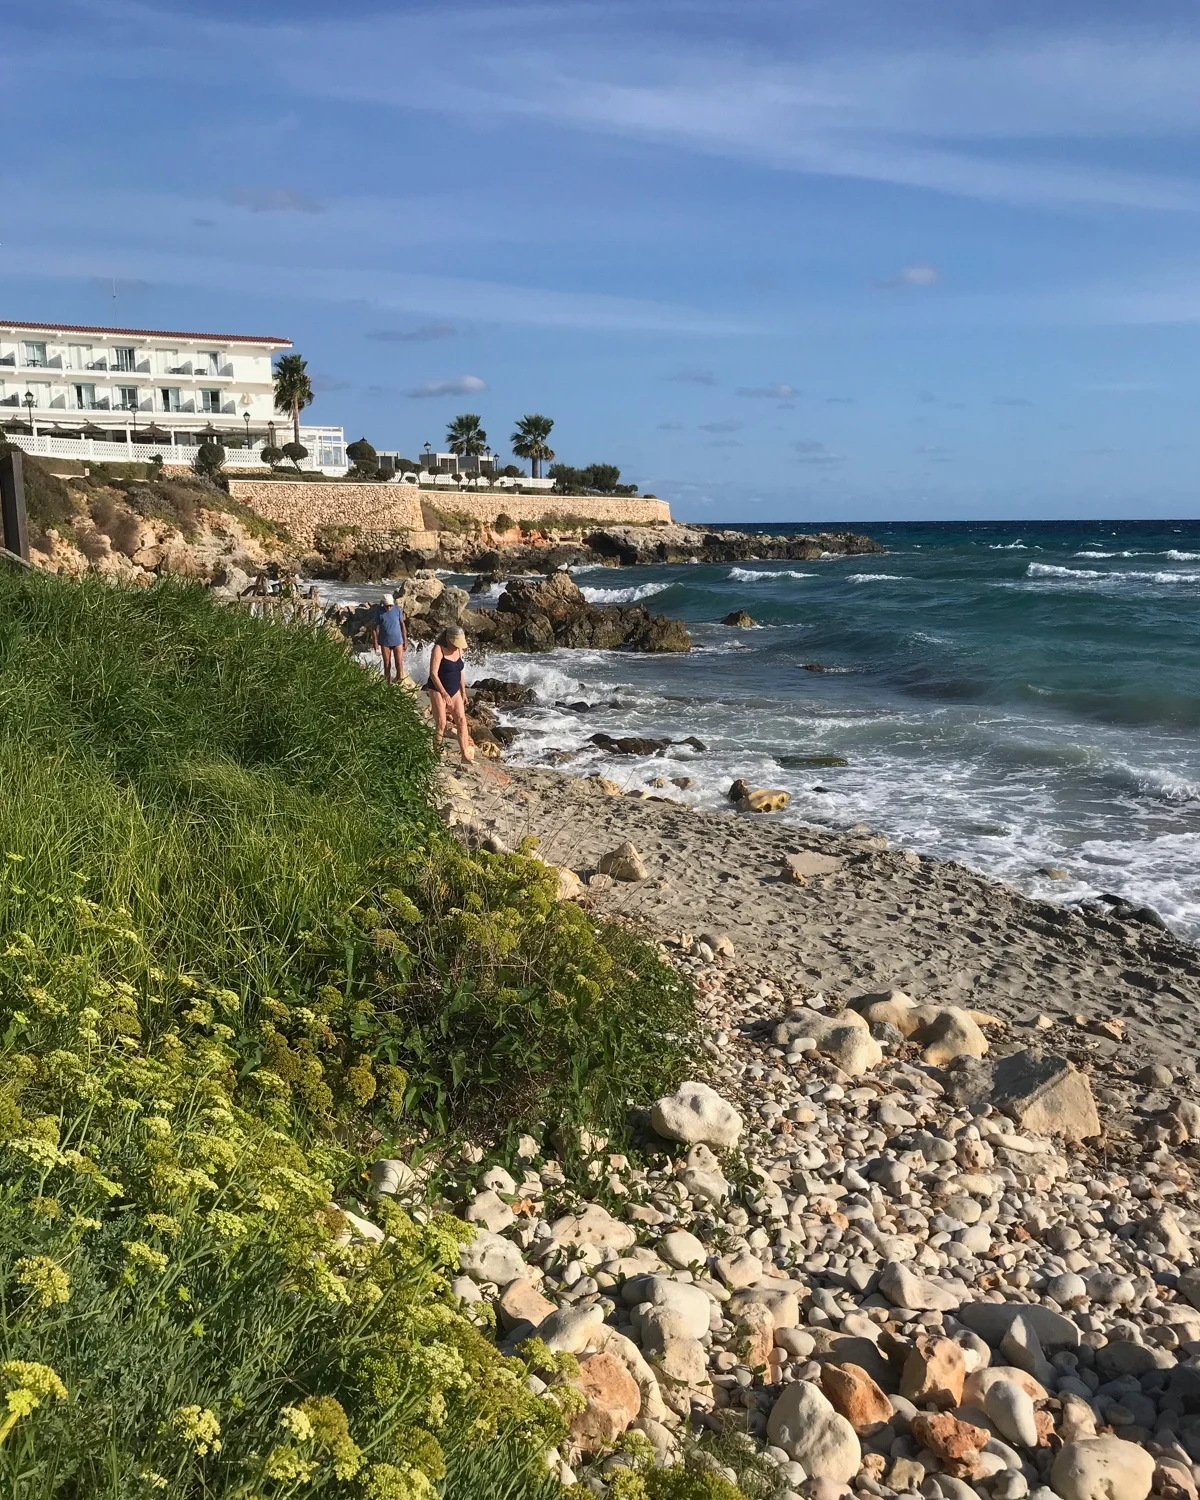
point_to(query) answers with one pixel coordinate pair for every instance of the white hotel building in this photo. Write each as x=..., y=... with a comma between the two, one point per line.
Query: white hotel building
x=115, y=394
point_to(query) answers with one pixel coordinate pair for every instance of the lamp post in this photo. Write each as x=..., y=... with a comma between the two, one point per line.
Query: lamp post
x=30, y=402
x=271, y=431
x=246, y=419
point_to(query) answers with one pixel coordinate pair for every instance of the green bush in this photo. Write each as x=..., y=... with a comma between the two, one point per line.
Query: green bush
x=209, y=460
x=238, y=960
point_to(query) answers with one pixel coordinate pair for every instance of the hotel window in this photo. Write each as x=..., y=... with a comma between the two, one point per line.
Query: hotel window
x=208, y=362
x=210, y=401
x=172, y=398
x=85, y=397
x=35, y=355
x=80, y=356
x=167, y=360
x=127, y=398
x=123, y=359
x=40, y=392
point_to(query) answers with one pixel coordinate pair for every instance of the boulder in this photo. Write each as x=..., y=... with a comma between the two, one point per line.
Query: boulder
x=855, y=1395
x=489, y=1210
x=488, y=1257
x=1045, y=1094
x=951, y=1439
x=677, y=1298
x=570, y=887
x=1102, y=1468
x=593, y=1225
x=521, y=1302
x=623, y=863
x=803, y=866
x=762, y=800
x=569, y=1330
x=696, y=1113
x=611, y=1401
x=804, y=1424
x=904, y=1288
x=1010, y=1409
x=739, y=619
x=682, y=1249
x=992, y=1320
x=701, y=1175
x=889, y=1008
x=391, y=1175
x=948, y=1034
x=934, y=1373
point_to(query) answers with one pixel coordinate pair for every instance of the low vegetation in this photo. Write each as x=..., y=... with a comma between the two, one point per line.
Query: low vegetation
x=239, y=960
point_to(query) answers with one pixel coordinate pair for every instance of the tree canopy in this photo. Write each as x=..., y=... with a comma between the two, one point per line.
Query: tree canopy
x=529, y=440
x=465, y=435
x=293, y=389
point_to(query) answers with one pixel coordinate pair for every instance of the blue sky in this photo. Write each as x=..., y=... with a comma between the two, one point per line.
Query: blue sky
x=789, y=260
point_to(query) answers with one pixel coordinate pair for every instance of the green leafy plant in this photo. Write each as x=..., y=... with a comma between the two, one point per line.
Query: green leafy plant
x=294, y=452
x=208, y=461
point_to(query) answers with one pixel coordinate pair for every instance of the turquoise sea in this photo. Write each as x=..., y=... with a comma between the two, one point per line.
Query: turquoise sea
x=1014, y=696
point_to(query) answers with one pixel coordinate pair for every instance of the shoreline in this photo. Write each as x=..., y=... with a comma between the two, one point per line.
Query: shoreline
x=879, y=918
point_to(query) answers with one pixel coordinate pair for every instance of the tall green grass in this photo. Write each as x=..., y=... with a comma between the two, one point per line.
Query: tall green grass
x=238, y=960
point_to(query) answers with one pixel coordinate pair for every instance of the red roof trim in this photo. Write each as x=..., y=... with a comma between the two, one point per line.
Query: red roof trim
x=154, y=333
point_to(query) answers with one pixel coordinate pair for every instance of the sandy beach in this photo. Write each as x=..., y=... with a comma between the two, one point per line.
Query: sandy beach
x=881, y=918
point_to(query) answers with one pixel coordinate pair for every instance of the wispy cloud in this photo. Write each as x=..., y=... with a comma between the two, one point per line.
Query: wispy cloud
x=463, y=385
x=768, y=392
x=670, y=427
x=261, y=200
x=726, y=426
x=693, y=377
x=326, y=384
x=424, y=333
x=808, y=451
x=913, y=276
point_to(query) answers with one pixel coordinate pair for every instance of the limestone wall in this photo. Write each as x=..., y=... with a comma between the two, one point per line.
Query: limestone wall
x=304, y=507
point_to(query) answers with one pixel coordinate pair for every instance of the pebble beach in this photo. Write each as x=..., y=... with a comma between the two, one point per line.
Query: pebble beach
x=922, y=1225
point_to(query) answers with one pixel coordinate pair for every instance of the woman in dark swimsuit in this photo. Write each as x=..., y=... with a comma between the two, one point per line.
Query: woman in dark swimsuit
x=447, y=690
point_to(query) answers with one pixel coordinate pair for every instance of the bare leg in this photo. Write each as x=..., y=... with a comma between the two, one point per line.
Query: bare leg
x=459, y=709
x=438, y=702
x=386, y=653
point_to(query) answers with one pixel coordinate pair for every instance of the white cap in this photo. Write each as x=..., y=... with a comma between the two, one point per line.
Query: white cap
x=389, y=598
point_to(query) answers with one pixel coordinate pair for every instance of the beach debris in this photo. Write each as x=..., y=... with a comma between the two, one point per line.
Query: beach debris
x=623, y=863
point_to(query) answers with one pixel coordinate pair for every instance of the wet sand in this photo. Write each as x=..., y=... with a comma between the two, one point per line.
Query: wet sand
x=883, y=918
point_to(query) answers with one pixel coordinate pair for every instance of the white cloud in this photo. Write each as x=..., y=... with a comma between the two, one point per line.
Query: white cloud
x=918, y=275
x=464, y=385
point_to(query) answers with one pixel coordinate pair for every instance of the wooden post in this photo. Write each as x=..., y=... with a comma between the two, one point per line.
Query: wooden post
x=14, y=528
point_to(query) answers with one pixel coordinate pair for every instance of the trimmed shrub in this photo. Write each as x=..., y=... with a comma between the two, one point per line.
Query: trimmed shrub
x=209, y=460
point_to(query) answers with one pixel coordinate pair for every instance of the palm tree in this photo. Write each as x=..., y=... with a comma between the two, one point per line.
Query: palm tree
x=529, y=440
x=293, y=388
x=465, y=436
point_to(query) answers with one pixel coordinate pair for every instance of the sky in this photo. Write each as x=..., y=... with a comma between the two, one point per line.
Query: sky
x=778, y=259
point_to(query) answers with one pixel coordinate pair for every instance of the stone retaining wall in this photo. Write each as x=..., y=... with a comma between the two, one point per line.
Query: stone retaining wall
x=304, y=507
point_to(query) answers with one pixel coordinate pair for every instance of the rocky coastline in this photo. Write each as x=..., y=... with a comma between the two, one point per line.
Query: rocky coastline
x=929, y=1240
x=501, y=554
x=531, y=614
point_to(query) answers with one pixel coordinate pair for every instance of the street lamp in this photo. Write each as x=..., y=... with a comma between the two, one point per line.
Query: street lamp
x=246, y=419
x=30, y=402
x=271, y=431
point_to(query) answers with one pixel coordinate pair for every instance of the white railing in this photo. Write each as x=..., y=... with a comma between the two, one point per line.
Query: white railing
x=45, y=446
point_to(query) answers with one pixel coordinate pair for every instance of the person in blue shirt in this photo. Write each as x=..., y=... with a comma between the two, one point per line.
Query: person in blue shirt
x=391, y=637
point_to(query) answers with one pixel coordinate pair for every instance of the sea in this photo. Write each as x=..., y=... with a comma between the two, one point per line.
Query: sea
x=1020, y=697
